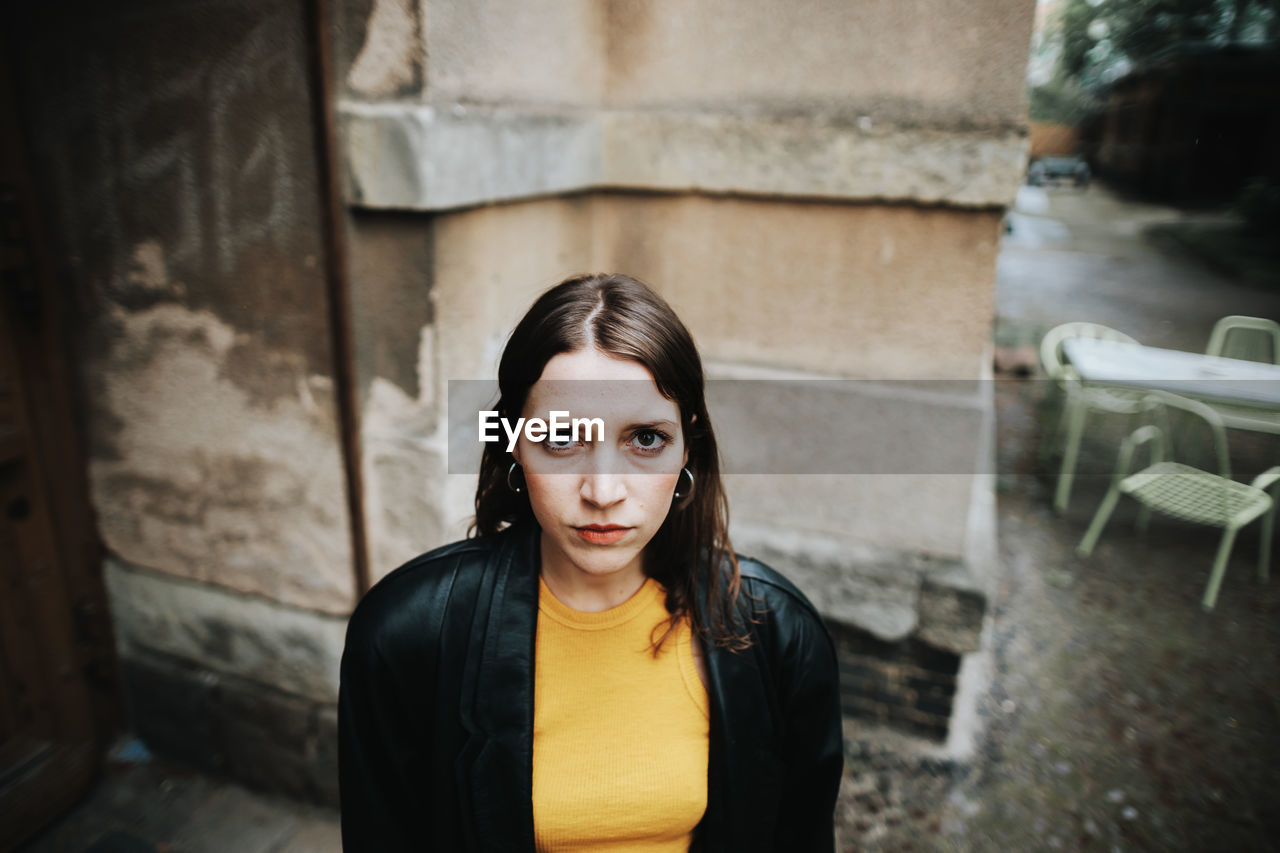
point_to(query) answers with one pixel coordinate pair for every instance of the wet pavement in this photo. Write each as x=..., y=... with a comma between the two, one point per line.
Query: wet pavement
x=1119, y=716
x=146, y=805
x=1085, y=255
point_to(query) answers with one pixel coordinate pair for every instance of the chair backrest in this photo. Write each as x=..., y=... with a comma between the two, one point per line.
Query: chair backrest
x=1051, y=358
x=1206, y=413
x=1250, y=338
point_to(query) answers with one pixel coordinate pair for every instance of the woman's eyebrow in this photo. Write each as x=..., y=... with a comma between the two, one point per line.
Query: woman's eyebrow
x=658, y=424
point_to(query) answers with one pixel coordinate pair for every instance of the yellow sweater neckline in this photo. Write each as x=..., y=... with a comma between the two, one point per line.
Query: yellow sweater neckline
x=583, y=620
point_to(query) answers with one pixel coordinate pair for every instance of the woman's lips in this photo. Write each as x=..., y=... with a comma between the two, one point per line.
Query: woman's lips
x=602, y=534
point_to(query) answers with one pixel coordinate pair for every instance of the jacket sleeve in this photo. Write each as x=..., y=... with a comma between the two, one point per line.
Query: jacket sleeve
x=379, y=744
x=812, y=734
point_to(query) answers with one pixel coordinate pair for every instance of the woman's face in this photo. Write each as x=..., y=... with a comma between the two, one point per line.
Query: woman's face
x=599, y=502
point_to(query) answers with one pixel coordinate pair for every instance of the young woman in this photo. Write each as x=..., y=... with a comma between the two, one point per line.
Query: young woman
x=595, y=669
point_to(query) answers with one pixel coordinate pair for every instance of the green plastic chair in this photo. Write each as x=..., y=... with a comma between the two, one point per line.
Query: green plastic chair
x=1189, y=493
x=1079, y=400
x=1252, y=339
x=1249, y=338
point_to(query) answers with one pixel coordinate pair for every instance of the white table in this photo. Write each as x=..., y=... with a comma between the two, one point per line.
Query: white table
x=1245, y=393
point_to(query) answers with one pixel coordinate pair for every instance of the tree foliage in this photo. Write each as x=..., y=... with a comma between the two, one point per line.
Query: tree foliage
x=1061, y=102
x=1100, y=38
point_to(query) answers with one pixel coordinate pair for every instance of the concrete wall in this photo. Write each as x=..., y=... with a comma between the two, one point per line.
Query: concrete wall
x=918, y=101
x=923, y=60
x=937, y=61
x=855, y=289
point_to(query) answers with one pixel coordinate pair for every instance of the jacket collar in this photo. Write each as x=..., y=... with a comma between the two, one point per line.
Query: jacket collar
x=741, y=760
x=495, y=768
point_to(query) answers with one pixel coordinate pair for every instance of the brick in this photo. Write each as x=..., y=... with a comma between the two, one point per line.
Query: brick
x=936, y=684
x=910, y=684
x=934, y=704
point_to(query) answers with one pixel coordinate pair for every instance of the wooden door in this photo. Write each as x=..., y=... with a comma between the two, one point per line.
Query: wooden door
x=55, y=650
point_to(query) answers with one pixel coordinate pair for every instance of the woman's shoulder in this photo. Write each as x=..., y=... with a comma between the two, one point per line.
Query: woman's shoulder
x=413, y=596
x=765, y=583
x=782, y=615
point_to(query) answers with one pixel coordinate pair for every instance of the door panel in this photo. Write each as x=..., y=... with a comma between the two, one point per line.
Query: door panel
x=51, y=730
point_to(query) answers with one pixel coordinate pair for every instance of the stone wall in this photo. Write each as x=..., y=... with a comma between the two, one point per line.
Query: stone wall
x=174, y=147
x=817, y=191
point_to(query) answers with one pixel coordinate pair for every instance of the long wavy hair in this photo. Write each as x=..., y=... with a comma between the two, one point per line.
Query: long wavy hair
x=621, y=316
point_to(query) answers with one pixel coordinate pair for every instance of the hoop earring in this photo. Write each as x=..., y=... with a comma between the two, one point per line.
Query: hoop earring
x=515, y=467
x=685, y=494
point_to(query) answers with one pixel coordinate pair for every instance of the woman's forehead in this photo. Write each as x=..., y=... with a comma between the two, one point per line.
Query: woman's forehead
x=615, y=400
x=594, y=365
x=591, y=383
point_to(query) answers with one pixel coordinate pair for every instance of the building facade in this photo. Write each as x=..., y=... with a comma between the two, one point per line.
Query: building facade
x=281, y=229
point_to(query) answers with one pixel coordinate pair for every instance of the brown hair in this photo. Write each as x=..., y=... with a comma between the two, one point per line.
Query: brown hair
x=624, y=318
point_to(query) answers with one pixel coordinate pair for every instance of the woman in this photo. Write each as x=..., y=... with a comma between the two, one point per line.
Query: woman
x=594, y=669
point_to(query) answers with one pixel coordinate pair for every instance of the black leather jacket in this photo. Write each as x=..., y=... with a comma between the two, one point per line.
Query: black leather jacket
x=435, y=714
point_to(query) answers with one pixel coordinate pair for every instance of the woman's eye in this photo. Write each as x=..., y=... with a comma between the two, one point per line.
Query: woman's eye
x=560, y=447
x=650, y=441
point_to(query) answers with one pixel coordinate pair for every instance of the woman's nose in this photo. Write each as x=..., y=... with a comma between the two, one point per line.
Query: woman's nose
x=603, y=489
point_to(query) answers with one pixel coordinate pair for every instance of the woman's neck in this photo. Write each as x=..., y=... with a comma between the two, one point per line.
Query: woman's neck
x=586, y=592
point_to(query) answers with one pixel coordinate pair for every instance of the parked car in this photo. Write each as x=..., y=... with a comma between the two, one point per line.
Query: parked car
x=1047, y=169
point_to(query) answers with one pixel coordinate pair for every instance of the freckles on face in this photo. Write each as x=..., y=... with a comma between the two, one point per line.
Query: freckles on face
x=601, y=498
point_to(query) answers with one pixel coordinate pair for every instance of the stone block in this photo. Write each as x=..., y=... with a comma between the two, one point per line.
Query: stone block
x=952, y=610
x=425, y=157
x=224, y=632
x=268, y=739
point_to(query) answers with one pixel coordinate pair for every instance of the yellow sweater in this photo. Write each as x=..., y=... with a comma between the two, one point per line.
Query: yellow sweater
x=620, y=738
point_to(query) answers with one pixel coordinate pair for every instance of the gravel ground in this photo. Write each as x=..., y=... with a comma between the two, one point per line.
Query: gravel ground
x=1119, y=715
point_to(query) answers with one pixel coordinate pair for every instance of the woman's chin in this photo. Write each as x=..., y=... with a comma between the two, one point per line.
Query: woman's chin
x=601, y=562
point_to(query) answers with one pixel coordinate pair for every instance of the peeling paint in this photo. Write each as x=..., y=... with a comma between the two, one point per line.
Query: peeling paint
x=387, y=60
x=202, y=481
x=404, y=465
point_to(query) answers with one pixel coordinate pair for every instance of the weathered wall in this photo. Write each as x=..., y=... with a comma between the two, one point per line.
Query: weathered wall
x=174, y=145
x=769, y=289
x=910, y=61
x=913, y=62
x=435, y=299
x=859, y=290
x=177, y=144
x=495, y=50
x=917, y=101
x=815, y=187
